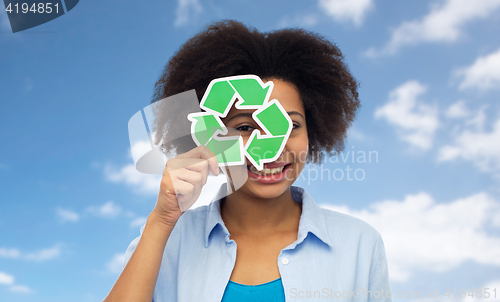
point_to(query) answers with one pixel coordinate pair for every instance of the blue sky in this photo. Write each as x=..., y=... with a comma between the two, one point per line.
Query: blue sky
x=71, y=202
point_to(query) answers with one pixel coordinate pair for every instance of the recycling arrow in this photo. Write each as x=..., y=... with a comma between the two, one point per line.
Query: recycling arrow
x=226, y=151
x=273, y=119
x=251, y=92
x=221, y=94
x=204, y=126
x=208, y=129
x=263, y=149
x=277, y=125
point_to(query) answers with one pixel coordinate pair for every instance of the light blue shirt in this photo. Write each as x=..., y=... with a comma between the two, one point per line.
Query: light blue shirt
x=336, y=257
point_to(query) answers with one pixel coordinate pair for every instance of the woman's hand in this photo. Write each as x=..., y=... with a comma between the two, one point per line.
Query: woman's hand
x=183, y=178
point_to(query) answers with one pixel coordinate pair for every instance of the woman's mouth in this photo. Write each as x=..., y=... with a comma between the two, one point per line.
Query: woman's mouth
x=265, y=171
x=270, y=174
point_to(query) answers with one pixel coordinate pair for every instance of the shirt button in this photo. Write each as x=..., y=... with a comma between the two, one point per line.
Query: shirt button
x=284, y=261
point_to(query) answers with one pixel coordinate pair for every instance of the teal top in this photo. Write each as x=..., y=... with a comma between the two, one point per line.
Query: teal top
x=272, y=291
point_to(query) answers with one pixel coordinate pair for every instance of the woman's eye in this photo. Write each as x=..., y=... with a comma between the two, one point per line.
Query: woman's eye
x=245, y=128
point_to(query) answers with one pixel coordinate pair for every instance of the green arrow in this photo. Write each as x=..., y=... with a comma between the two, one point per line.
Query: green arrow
x=265, y=148
x=219, y=97
x=226, y=151
x=204, y=127
x=251, y=91
x=274, y=120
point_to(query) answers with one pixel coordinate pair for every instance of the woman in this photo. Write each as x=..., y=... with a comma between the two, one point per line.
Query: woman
x=268, y=240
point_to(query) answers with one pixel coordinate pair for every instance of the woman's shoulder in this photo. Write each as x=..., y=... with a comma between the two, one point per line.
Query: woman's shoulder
x=349, y=231
x=348, y=223
x=338, y=224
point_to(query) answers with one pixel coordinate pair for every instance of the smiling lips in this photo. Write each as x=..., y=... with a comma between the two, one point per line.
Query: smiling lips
x=272, y=172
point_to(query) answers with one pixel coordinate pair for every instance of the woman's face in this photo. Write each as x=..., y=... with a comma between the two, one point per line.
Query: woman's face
x=292, y=160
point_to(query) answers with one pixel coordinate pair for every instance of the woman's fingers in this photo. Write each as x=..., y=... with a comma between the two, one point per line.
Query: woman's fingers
x=182, y=187
x=203, y=153
x=185, y=176
x=189, y=172
x=183, y=165
x=201, y=167
x=188, y=185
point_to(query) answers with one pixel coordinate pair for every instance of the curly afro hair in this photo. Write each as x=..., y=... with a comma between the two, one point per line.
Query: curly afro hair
x=312, y=63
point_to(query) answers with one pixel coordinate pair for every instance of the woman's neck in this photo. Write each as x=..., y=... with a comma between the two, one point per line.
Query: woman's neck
x=250, y=215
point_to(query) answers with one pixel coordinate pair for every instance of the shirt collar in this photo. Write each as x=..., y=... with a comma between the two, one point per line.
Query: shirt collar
x=312, y=219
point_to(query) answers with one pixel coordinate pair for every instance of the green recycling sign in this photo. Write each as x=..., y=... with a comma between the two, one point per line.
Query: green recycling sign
x=208, y=129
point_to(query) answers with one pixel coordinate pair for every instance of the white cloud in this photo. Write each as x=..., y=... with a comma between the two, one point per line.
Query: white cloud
x=139, y=148
x=67, y=215
x=148, y=184
x=457, y=110
x=420, y=234
x=302, y=20
x=9, y=253
x=443, y=23
x=44, y=254
x=478, y=146
x=478, y=120
x=107, y=210
x=6, y=279
x=483, y=74
x=187, y=10
x=115, y=265
x=20, y=289
x=346, y=10
x=354, y=133
x=415, y=121
x=40, y=255
x=138, y=222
